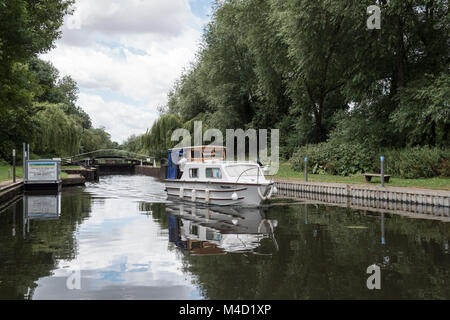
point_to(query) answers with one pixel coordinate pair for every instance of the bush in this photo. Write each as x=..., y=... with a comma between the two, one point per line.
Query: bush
x=346, y=159
x=336, y=159
x=418, y=162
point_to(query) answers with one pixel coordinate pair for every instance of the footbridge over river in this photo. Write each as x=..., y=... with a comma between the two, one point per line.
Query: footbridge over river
x=110, y=161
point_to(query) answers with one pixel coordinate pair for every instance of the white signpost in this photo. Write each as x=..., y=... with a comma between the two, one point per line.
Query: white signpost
x=42, y=172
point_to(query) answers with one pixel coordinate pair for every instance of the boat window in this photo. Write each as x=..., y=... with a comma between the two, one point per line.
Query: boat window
x=245, y=170
x=193, y=173
x=209, y=234
x=194, y=230
x=214, y=173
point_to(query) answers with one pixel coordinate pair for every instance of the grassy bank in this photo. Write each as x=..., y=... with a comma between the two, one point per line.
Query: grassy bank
x=19, y=173
x=4, y=172
x=287, y=173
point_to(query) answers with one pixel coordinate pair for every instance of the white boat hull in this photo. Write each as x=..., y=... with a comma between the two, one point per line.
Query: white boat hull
x=218, y=193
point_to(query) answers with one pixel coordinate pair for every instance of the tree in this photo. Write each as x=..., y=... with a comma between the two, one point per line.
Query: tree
x=313, y=69
x=27, y=27
x=58, y=133
x=158, y=140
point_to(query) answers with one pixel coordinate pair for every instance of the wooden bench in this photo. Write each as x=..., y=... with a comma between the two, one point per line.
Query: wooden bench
x=369, y=176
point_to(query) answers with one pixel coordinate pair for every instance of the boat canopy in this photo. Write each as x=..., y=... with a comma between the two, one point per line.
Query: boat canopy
x=201, y=153
x=192, y=154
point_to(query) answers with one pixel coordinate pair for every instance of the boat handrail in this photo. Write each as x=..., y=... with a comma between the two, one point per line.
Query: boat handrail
x=257, y=176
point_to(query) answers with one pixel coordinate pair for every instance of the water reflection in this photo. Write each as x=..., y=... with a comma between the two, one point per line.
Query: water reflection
x=220, y=230
x=37, y=231
x=42, y=205
x=133, y=245
x=409, y=209
x=324, y=253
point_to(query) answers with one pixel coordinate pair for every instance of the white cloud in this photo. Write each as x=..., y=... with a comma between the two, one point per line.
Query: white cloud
x=116, y=242
x=119, y=119
x=130, y=49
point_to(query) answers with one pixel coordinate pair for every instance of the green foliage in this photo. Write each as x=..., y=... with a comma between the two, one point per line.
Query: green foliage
x=347, y=159
x=61, y=134
x=45, y=114
x=27, y=28
x=343, y=159
x=16, y=110
x=135, y=144
x=418, y=162
x=158, y=139
x=312, y=69
x=94, y=139
x=58, y=132
x=424, y=110
x=295, y=64
x=54, y=90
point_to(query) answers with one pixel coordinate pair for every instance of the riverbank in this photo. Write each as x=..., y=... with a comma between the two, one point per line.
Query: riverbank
x=285, y=173
x=5, y=178
x=9, y=190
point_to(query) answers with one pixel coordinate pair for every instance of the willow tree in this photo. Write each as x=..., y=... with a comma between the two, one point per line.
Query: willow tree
x=94, y=139
x=58, y=133
x=158, y=139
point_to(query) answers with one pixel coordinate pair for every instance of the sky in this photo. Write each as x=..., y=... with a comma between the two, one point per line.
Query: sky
x=126, y=55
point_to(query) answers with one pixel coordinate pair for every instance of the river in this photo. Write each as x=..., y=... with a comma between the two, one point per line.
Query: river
x=121, y=239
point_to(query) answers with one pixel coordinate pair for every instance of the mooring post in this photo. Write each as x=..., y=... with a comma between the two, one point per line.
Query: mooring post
x=382, y=170
x=24, y=236
x=14, y=165
x=24, y=160
x=306, y=169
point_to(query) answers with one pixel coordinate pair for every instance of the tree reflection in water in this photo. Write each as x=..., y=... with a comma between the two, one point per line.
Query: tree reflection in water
x=316, y=252
x=284, y=251
x=31, y=245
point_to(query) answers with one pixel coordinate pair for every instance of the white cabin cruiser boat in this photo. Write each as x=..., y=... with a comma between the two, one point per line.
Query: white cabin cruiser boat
x=208, y=179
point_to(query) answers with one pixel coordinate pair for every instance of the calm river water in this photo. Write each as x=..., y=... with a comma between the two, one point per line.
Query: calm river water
x=121, y=239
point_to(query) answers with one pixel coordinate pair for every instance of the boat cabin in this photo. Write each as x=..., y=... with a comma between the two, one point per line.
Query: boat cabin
x=193, y=154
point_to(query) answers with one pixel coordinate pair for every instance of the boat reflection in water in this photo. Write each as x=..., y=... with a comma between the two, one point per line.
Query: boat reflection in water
x=218, y=230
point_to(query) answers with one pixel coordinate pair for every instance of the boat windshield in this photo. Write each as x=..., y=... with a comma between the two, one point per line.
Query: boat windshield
x=245, y=170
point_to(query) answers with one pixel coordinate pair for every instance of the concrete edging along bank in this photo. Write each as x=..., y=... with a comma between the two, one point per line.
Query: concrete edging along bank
x=88, y=174
x=73, y=180
x=387, y=194
x=11, y=190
